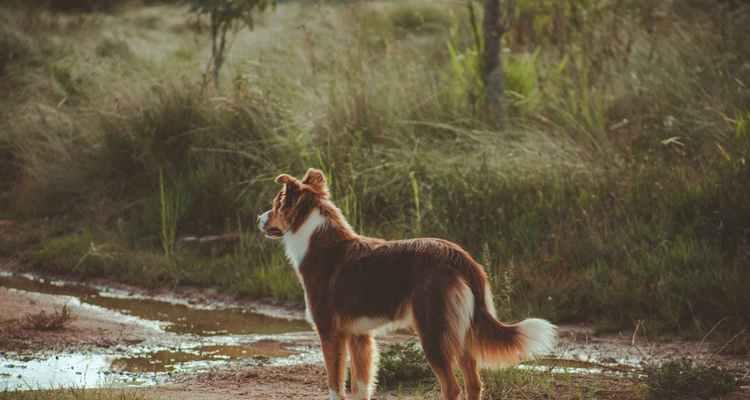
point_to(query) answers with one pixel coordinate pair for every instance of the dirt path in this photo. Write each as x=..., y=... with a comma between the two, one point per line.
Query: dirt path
x=292, y=382
x=90, y=326
x=95, y=326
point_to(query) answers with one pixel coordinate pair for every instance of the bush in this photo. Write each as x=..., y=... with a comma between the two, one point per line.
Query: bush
x=43, y=321
x=420, y=19
x=684, y=379
x=403, y=364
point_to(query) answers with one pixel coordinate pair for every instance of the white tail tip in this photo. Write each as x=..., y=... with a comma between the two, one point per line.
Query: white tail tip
x=538, y=337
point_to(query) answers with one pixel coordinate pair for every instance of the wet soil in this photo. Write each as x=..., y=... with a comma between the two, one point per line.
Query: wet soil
x=219, y=350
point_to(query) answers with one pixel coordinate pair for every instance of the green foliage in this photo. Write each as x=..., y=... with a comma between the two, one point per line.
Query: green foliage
x=62, y=253
x=172, y=206
x=403, y=364
x=465, y=78
x=684, y=379
x=522, y=82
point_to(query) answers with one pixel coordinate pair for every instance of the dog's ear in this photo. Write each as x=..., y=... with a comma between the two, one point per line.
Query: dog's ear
x=316, y=180
x=292, y=187
x=288, y=180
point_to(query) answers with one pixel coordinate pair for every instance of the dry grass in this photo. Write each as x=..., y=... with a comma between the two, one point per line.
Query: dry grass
x=620, y=182
x=44, y=321
x=73, y=394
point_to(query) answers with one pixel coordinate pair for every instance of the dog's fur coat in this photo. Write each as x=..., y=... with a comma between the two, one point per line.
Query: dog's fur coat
x=356, y=286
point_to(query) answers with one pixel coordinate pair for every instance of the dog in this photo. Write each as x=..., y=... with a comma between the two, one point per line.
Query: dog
x=357, y=286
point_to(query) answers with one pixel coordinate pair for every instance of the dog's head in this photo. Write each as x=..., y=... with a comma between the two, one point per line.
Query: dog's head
x=293, y=203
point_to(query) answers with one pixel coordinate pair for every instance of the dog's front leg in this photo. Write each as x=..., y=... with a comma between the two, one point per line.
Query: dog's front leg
x=334, y=353
x=364, y=356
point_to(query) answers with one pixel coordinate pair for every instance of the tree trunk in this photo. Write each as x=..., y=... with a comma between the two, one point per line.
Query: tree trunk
x=492, y=66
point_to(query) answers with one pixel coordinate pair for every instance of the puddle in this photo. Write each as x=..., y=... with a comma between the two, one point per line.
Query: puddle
x=570, y=366
x=198, y=338
x=64, y=370
x=184, y=319
x=175, y=317
x=170, y=361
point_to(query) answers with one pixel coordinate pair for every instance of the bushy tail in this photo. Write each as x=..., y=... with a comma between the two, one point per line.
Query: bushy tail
x=495, y=344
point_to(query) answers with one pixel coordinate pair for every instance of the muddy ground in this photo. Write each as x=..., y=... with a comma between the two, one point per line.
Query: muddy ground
x=94, y=326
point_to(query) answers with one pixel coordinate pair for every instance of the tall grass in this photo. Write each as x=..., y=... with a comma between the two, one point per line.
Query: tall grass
x=617, y=192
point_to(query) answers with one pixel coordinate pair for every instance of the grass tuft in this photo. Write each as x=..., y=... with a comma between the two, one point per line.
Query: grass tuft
x=403, y=364
x=72, y=394
x=43, y=321
x=685, y=379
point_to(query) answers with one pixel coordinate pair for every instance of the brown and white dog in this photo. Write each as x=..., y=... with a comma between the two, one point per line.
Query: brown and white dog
x=356, y=286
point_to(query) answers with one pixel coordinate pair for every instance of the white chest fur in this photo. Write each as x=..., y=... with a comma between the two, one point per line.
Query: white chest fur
x=297, y=243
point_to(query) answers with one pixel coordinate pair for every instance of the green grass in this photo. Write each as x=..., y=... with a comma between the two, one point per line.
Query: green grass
x=403, y=365
x=616, y=192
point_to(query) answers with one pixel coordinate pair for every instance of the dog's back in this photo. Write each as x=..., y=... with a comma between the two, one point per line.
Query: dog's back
x=356, y=286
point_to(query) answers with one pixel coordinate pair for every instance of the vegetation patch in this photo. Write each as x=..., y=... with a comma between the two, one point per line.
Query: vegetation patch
x=43, y=321
x=686, y=379
x=72, y=394
x=616, y=191
x=403, y=364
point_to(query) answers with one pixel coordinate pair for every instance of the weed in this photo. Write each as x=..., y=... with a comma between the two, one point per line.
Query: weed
x=684, y=379
x=62, y=253
x=171, y=207
x=403, y=364
x=509, y=383
x=43, y=321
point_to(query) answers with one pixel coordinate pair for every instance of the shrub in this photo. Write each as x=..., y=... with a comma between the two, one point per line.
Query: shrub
x=684, y=379
x=403, y=364
x=42, y=321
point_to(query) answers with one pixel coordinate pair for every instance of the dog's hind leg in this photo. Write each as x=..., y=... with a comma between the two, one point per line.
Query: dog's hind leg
x=364, y=356
x=472, y=380
x=441, y=360
x=442, y=323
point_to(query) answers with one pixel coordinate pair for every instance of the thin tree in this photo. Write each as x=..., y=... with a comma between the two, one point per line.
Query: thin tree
x=225, y=16
x=492, y=66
